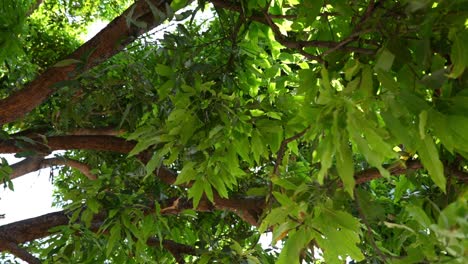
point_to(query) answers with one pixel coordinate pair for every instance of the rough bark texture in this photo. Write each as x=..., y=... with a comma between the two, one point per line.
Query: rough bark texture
x=111, y=40
x=36, y=163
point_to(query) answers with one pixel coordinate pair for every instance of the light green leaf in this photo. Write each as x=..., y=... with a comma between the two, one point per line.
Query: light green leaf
x=422, y=124
x=274, y=115
x=115, y=236
x=326, y=152
x=345, y=166
x=256, y=112
x=284, y=183
x=242, y=147
x=430, y=159
x=385, y=60
x=93, y=205
x=66, y=62
x=208, y=191
x=187, y=173
x=196, y=192
x=178, y=4
x=164, y=70
x=418, y=214
x=293, y=246
x=153, y=163
x=258, y=147
x=283, y=199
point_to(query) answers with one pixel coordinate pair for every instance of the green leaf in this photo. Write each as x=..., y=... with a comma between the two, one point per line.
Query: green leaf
x=153, y=163
x=430, y=159
x=242, y=147
x=164, y=70
x=418, y=214
x=178, y=4
x=387, y=80
x=422, y=124
x=345, y=166
x=326, y=152
x=208, y=191
x=258, y=147
x=196, y=192
x=93, y=205
x=283, y=199
x=292, y=248
x=384, y=60
x=331, y=226
x=115, y=236
x=284, y=183
x=458, y=54
x=66, y=62
x=187, y=173
x=367, y=86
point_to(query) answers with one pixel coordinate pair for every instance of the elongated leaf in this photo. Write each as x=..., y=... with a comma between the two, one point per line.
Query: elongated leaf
x=430, y=159
x=293, y=246
x=326, y=157
x=196, y=192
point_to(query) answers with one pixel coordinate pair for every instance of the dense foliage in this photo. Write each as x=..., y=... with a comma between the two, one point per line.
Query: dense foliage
x=340, y=127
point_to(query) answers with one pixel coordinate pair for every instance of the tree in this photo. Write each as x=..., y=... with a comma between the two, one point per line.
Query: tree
x=340, y=127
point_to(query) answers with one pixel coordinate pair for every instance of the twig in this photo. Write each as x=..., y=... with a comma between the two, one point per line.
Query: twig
x=282, y=149
x=282, y=39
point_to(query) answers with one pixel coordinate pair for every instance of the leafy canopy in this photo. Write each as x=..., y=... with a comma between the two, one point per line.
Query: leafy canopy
x=347, y=119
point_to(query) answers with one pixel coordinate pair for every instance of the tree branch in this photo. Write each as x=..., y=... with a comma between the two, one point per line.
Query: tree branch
x=32, y=164
x=176, y=249
x=38, y=227
x=19, y=252
x=111, y=40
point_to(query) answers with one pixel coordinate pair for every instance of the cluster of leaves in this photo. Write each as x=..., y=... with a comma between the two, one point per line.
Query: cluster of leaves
x=225, y=122
x=288, y=100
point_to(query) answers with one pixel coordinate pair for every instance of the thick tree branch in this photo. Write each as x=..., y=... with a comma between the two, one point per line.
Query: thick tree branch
x=401, y=168
x=32, y=164
x=20, y=252
x=104, y=45
x=38, y=227
x=46, y=145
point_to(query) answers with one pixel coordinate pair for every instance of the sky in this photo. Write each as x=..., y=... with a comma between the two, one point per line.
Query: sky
x=32, y=196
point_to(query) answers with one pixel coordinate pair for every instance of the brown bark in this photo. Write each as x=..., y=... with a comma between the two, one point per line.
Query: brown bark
x=38, y=227
x=36, y=163
x=176, y=249
x=100, y=143
x=104, y=45
x=20, y=252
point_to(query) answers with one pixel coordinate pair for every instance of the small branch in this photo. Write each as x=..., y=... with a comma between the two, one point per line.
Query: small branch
x=20, y=253
x=401, y=168
x=176, y=249
x=282, y=39
x=96, y=132
x=82, y=167
x=342, y=44
x=397, y=169
x=32, y=164
x=282, y=149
